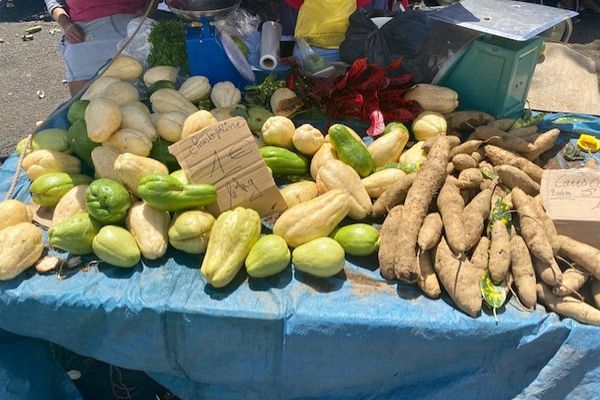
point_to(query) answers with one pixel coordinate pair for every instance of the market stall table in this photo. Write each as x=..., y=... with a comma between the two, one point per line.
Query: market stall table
x=353, y=336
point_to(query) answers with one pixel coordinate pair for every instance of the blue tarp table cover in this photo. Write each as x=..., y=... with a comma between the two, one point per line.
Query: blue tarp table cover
x=353, y=336
x=28, y=371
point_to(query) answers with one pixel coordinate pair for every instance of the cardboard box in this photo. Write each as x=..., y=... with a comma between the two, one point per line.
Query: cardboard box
x=226, y=155
x=571, y=198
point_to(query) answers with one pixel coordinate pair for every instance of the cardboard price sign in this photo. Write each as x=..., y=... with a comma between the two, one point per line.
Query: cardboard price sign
x=571, y=198
x=226, y=156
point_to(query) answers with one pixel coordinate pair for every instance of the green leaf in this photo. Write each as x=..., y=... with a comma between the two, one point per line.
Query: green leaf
x=527, y=120
x=570, y=120
x=408, y=168
x=572, y=153
x=488, y=173
x=493, y=295
x=205, y=104
x=501, y=211
x=259, y=95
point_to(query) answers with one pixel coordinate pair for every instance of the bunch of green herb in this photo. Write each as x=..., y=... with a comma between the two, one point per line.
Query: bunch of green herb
x=259, y=95
x=168, y=45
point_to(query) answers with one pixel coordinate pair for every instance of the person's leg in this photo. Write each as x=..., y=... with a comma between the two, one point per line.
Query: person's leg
x=83, y=60
x=75, y=86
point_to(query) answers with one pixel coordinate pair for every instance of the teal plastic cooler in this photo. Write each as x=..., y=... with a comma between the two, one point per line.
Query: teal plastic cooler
x=494, y=74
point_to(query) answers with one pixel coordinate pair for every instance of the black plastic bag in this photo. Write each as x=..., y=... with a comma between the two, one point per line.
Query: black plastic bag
x=425, y=45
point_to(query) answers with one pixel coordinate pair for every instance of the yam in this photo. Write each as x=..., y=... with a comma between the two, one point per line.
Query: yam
x=481, y=255
x=513, y=177
x=467, y=121
x=431, y=231
x=503, y=139
x=460, y=279
x=474, y=216
x=498, y=156
x=428, y=281
x=387, y=238
x=522, y=271
x=543, y=143
x=428, y=181
x=466, y=147
x=469, y=178
x=451, y=205
x=547, y=223
x=568, y=306
x=499, y=252
x=533, y=233
x=584, y=255
x=550, y=274
x=460, y=162
x=502, y=124
x=573, y=280
x=393, y=195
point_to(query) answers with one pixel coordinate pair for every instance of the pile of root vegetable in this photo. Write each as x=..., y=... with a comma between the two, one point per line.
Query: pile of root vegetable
x=473, y=212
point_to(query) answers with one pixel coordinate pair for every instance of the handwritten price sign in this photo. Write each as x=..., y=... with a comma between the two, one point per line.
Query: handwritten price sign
x=571, y=198
x=572, y=191
x=226, y=156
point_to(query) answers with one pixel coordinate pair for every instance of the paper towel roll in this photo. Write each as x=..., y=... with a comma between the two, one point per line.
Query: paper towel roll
x=269, y=45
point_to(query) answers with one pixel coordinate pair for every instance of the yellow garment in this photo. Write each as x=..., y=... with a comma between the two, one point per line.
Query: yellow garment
x=323, y=23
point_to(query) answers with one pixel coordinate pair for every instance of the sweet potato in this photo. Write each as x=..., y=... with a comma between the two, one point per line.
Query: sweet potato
x=469, y=194
x=595, y=291
x=463, y=161
x=499, y=156
x=522, y=271
x=550, y=274
x=523, y=132
x=543, y=143
x=428, y=181
x=474, y=216
x=428, y=281
x=451, y=205
x=460, y=278
x=430, y=232
x=503, y=139
x=573, y=279
x=568, y=306
x=469, y=178
x=547, y=223
x=533, y=233
x=478, y=156
x=467, y=121
x=393, y=195
x=513, y=177
x=466, y=147
x=584, y=255
x=452, y=140
x=502, y=124
x=499, y=252
x=387, y=239
x=481, y=255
